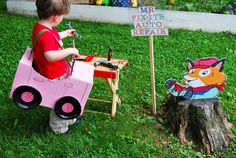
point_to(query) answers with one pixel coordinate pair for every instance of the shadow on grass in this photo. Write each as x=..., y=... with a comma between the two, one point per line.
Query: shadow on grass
x=16, y=121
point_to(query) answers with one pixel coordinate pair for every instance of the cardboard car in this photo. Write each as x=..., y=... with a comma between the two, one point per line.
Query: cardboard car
x=67, y=96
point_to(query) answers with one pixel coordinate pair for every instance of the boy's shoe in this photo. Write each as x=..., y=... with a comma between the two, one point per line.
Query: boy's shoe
x=68, y=131
x=59, y=133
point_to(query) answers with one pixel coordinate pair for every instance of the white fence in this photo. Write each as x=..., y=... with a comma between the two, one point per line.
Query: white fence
x=175, y=19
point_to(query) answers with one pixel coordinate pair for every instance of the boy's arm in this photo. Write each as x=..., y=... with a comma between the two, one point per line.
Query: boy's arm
x=60, y=54
x=66, y=33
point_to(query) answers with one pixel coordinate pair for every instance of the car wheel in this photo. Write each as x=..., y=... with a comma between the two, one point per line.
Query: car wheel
x=67, y=108
x=26, y=97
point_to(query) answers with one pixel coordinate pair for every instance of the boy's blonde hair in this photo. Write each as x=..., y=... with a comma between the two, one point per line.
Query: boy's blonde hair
x=47, y=8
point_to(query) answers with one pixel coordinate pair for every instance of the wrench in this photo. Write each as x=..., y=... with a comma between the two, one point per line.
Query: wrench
x=76, y=33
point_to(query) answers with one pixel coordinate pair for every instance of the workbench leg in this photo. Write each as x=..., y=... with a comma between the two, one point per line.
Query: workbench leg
x=113, y=90
x=115, y=97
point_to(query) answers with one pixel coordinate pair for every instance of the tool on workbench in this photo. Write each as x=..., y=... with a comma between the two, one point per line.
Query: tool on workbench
x=109, y=54
x=106, y=64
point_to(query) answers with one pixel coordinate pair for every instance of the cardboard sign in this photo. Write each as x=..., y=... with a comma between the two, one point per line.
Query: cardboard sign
x=148, y=23
x=146, y=17
x=149, y=32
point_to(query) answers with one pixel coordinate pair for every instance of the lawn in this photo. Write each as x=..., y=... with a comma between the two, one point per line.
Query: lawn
x=134, y=132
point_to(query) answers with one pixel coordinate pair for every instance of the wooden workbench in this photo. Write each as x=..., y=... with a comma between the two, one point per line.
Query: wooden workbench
x=111, y=76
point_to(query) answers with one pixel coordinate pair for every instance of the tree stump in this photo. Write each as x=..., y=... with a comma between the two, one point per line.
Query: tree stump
x=202, y=122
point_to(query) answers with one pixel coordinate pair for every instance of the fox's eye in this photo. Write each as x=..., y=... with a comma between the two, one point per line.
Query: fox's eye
x=192, y=71
x=204, y=72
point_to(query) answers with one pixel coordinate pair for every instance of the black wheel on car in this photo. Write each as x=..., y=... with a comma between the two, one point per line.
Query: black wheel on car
x=67, y=108
x=26, y=97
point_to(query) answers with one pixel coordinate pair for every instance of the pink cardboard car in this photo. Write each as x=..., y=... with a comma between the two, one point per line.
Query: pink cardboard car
x=67, y=97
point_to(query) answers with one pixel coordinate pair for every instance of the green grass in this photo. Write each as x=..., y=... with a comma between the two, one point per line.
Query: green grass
x=133, y=132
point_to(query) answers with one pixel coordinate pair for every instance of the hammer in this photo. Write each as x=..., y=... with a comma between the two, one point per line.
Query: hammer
x=106, y=64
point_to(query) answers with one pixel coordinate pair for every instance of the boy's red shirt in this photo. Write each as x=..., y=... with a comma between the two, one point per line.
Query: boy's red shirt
x=47, y=42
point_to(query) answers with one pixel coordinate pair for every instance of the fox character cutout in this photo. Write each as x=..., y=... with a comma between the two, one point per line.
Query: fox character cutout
x=203, y=80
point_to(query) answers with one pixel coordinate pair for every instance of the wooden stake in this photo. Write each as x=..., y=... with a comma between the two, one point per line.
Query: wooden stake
x=152, y=74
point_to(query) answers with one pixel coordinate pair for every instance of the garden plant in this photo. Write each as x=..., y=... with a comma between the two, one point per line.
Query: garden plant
x=134, y=131
x=213, y=6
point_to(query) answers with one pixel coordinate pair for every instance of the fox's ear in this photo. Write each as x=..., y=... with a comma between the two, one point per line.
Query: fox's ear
x=190, y=64
x=219, y=64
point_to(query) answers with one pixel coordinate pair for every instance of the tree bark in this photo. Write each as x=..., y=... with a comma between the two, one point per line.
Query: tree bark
x=201, y=121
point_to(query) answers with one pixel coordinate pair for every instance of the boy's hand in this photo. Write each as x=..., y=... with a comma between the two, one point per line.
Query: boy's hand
x=74, y=51
x=70, y=32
